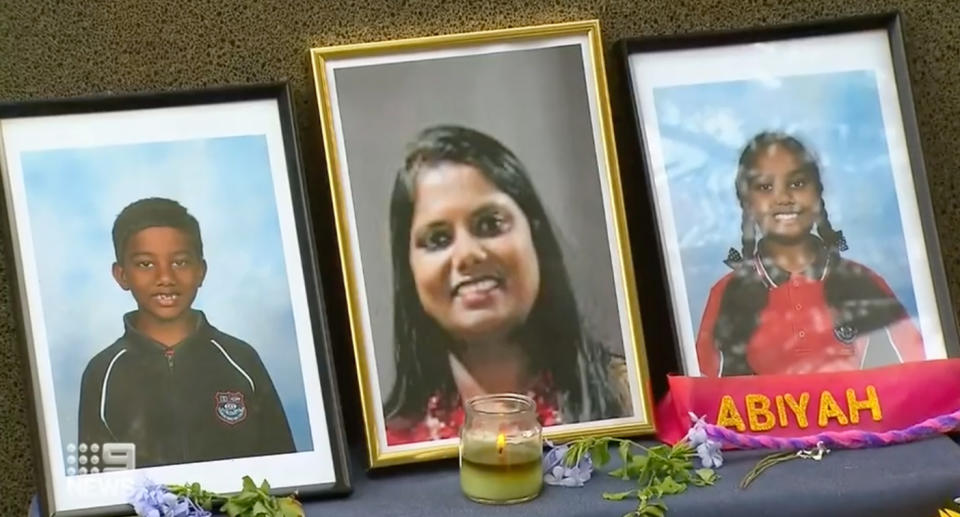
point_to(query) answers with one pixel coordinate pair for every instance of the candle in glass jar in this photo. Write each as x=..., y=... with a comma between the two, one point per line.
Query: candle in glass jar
x=500, y=450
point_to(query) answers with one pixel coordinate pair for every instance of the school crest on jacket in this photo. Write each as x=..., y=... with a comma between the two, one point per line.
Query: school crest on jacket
x=231, y=407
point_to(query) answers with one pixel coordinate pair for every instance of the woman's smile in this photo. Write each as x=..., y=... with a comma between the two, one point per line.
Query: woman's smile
x=477, y=293
x=471, y=253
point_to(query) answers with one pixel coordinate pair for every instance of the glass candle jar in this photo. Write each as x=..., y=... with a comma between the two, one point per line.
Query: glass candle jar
x=500, y=449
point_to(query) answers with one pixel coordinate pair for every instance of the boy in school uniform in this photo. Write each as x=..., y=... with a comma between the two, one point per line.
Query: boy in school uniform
x=176, y=387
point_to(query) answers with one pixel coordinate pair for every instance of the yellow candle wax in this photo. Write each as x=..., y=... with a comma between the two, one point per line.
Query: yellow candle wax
x=500, y=473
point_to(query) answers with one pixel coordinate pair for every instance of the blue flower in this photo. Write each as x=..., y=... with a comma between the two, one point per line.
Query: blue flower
x=710, y=456
x=707, y=449
x=150, y=499
x=556, y=472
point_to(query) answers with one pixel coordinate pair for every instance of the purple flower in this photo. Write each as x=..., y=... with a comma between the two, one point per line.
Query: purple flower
x=707, y=448
x=150, y=499
x=556, y=472
x=710, y=456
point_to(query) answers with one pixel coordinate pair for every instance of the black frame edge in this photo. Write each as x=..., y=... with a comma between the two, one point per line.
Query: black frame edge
x=892, y=23
x=921, y=185
x=102, y=103
x=642, y=221
x=312, y=275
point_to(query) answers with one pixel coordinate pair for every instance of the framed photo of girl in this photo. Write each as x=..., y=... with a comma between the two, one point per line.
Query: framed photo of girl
x=168, y=296
x=481, y=229
x=787, y=182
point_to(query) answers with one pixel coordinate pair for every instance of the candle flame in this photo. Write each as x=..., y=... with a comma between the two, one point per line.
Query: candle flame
x=501, y=443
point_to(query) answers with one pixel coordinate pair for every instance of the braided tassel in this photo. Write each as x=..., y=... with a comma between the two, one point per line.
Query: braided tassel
x=838, y=439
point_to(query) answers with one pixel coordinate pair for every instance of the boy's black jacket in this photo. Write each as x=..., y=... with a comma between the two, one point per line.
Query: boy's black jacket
x=209, y=397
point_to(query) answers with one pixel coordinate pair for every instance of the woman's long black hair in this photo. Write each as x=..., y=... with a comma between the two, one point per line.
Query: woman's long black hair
x=856, y=301
x=552, y=333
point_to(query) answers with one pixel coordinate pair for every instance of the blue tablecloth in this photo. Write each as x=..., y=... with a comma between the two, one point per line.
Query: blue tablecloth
x=904, y=480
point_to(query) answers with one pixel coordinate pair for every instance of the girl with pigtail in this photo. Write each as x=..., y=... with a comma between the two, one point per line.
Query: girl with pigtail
x=792, y=303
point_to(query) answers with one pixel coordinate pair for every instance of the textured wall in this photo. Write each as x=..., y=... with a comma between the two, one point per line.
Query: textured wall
x=77, y=47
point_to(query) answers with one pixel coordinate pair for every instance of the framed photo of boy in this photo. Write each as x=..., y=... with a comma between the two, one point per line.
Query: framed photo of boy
x=787, y=183
x=168, y=295
x=482, y=234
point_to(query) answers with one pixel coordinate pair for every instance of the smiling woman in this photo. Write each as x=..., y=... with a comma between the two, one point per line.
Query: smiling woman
x=472, y=257
x=490, y=294
x=482, y=299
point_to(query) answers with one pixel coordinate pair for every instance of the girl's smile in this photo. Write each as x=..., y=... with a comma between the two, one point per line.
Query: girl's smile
x=782, y=197
x=786, y=216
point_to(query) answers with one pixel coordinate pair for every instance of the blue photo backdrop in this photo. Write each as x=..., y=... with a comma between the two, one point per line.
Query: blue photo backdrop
x=838, y=116
x=73, y=197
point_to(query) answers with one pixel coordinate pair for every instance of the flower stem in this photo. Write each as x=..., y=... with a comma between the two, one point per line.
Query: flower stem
x=765, y=464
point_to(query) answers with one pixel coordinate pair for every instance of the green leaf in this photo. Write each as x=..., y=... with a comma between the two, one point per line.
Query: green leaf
x=245, y=498
x=657, y=491
x=259, y=508
x=659, y=451
x=620, y=473
x=624, y=451
x=618, y=496
x=600, y=453
x=248, y=484
x=232, y=509
x=265, y=486
x=576, y=450
x=657, y=509
x=290, y=507
x=657, y=471
x=682, y=476
x=670, y=486
x=707, y=475
x=636, y=466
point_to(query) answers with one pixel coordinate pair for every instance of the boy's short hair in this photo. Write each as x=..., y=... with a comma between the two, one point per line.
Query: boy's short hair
x=152, y=212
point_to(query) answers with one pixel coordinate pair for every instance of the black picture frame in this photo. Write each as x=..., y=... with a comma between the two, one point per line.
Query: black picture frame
x=282, y=158
x=637, y=154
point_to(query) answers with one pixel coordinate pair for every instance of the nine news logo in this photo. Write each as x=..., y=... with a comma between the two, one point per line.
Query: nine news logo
x=95, y=458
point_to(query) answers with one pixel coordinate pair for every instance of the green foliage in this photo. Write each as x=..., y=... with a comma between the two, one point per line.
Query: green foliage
x=251, y=501
x=704, y=477
x=657, y=471
x=197, y=494
x=254, y=501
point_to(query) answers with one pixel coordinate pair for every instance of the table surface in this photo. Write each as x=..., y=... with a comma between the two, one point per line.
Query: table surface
x=904, y=480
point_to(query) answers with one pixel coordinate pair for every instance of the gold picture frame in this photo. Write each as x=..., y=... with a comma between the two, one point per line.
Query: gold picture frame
x=542, y=91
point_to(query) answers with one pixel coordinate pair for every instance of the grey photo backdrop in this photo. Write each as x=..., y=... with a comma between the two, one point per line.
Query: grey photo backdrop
x=533, y=101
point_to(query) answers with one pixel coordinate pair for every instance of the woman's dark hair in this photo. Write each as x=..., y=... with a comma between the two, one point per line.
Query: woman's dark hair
x=552, y=333
x=856, y=301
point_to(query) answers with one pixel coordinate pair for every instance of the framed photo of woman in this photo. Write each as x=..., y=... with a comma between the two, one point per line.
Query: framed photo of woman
x=482, y=234
x=787, y=182
x=169, y=334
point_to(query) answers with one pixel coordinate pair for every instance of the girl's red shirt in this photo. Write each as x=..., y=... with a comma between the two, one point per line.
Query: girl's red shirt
x=795, y=332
